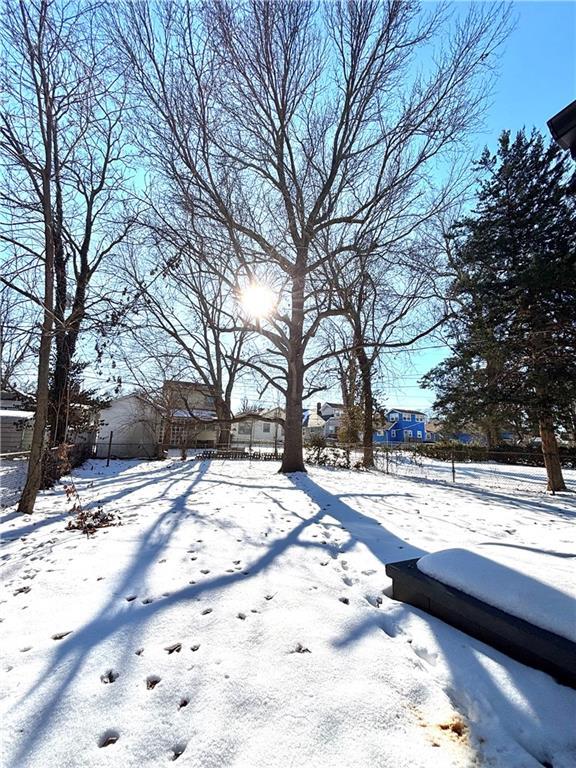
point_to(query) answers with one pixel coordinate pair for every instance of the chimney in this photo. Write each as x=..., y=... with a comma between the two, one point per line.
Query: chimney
x=319, y=409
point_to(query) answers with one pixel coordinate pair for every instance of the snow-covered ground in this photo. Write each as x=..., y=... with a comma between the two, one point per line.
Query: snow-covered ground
x=481, y=474
x=238, y=617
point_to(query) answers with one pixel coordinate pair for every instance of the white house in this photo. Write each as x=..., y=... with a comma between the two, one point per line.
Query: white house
x=134, y=426
x=257, y=432
x=177, y=416
x=16, y=424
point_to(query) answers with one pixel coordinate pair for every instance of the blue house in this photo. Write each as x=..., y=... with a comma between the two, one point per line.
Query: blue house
x=402, y=425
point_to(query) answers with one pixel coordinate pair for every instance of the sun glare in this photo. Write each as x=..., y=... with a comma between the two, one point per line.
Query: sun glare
x=258, y=301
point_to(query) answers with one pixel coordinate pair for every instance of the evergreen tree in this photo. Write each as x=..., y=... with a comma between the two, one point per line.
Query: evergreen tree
x=514, y=260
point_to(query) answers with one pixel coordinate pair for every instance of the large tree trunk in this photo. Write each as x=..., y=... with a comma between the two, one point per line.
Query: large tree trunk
x=293, y=458
x=34, y=475
x=551, y=453
x=367, y=403
x=223, y=414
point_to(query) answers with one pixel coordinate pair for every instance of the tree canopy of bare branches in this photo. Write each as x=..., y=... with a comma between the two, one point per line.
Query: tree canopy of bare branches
x=296, y=129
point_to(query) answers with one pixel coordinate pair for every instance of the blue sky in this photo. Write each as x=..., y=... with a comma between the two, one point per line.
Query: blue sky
x=537, y=79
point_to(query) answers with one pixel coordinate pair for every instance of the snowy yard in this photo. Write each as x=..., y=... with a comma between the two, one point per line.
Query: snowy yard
x=238, y=617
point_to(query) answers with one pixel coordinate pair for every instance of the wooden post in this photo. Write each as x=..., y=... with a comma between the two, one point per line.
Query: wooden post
x=109, y=449
x=453, y=468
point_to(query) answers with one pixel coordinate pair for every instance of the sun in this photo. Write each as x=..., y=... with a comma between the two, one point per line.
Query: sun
x=258, y=301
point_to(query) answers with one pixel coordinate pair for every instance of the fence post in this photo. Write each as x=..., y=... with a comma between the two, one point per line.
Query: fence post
x=109, y=449
x=387, y=460
x=453, y=467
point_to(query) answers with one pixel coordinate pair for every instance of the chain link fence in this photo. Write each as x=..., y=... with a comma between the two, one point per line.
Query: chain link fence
x=507, y=468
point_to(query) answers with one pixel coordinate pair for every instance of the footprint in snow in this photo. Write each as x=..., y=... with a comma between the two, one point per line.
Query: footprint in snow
x=205, y=571
x=177, y=750
x=375, y=602
x=147, y=600
x=110, y=676
x=344, y=600
x=194, y=647
x=61, y=635
x=152, y=681
x=241, y=616
x=130, y=598
x=183, y=703
x=108, y=737
x=300, y=649
x=175, y=648
x=206, y=611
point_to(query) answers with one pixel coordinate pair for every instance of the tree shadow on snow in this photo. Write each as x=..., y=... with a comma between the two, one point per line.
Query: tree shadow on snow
x=473, y=674
x=72, y=652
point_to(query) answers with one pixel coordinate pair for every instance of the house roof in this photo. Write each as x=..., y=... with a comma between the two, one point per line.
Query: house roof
x=406, y=410
x=16, y=415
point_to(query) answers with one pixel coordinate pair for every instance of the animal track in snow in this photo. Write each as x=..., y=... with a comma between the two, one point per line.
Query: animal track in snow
x=375, y=602
x=147, y=600
x=177, y=750
x=110, y=676
x=152, y=681
x=426, y=655
x=205, y=571
x=175, y=648
x=300, y=649
x=206, y=611
x=194, y=647
x=183, y=703
x=60, y=635
x=241, y=616
x=130, y=598
x=109, y=737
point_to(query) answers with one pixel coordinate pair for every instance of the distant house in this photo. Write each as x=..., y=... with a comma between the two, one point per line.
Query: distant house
x=434, y=431
x=139, y=426
x=332, y=414
x=131, y=427
x=401, y=425
x=16, y=423
x=188, y=410
x=313, y=425
x=258, y=429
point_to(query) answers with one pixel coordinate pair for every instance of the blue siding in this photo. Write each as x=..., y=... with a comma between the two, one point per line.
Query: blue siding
x=400, y=425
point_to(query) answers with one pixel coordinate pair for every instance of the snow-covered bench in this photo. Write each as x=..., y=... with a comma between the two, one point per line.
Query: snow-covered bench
x=512, y=610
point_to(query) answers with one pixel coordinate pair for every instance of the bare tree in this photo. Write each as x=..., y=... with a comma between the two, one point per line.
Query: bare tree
x=389, y=302
x=63, y=155
x=18, y=331
x=283, y=122
x=184, y=297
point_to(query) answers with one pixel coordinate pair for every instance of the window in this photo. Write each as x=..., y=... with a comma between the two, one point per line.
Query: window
x=394, y=417
x=245, y=429
x=208, y=401
x=407, y=435
x=266, y=427
x=420, y=417
x=393, y=433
